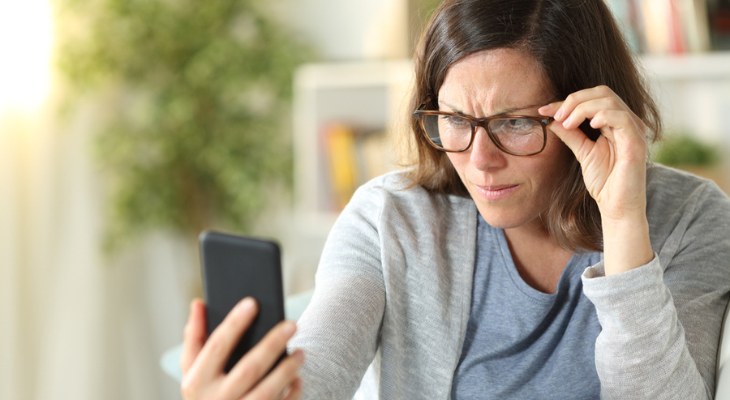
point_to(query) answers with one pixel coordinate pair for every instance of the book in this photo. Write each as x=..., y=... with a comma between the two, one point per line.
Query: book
x=657, y=21
x=719, y=23
x=675, y=28
x=342, y=170
x=695, y=25
x=352, y=156
x=664, y=26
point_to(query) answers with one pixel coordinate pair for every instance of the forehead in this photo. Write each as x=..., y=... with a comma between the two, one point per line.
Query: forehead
x=488, y=80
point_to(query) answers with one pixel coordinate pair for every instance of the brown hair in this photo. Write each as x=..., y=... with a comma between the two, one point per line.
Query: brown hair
x=578, y=45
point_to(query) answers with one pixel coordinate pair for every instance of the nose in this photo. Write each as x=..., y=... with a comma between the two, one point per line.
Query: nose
x=484, y=153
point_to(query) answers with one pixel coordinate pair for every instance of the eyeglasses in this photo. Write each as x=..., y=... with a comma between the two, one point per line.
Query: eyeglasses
x=518, y=135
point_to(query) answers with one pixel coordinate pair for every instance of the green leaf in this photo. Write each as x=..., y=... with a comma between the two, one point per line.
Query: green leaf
x=198, y=94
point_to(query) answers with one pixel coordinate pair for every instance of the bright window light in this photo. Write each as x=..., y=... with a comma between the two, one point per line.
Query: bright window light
x=25, y=53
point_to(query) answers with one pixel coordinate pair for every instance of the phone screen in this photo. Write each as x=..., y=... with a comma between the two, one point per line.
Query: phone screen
x=235, y=267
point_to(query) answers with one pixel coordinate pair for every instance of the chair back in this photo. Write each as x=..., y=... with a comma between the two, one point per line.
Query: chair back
x=722, y=375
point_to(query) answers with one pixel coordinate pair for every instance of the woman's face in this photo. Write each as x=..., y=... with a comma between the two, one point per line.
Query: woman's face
x=509, y=191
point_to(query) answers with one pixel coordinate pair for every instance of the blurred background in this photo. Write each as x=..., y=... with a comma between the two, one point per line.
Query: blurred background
x=127, y=126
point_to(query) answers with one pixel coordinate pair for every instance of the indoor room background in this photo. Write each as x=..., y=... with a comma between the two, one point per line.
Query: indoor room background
x=109, y=168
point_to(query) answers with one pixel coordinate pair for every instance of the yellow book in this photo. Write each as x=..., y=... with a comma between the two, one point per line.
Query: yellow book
x=340, y=149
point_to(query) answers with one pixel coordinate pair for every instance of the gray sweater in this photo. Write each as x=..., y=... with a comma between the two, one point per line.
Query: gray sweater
x=393, y=295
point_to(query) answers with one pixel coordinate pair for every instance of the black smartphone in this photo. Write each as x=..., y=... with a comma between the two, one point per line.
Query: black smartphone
x=235, y=267
x=591, y=132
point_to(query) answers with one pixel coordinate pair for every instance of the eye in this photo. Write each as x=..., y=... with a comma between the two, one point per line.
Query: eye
x=455, y=122
x=514, y=126
x=519, y=124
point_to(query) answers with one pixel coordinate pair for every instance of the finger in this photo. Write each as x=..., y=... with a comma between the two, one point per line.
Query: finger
x=575, y=139
x=281, y=378
x=629, y=139
x=588, y=110
x=620, y=120
x=574, y=99
x=194, y=335
x=259, y=360
x=550, y=109
x=295, y=390
x=223, y=339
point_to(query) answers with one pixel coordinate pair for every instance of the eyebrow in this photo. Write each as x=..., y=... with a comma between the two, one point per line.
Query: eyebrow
x=503, y=113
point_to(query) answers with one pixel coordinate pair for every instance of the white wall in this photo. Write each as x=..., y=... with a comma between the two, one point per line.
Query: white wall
x=350, y=29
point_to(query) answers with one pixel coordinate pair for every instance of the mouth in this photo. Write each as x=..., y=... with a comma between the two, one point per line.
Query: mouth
x=495, y=192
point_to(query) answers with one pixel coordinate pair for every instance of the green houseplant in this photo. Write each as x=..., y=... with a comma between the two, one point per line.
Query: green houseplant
x=197, y=131
x=684, y=151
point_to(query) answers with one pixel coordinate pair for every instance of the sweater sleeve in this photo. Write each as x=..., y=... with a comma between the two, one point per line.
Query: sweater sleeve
x=641, y=351
x=661, y=322
x=339, y=329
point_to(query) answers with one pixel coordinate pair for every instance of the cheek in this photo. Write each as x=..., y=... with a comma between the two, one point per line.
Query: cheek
x=565, y=159
x=556, y=167
x=548, y=168
x=458, y=160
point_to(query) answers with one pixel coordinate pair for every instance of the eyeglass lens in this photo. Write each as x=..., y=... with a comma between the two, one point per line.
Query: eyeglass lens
x=516, y=135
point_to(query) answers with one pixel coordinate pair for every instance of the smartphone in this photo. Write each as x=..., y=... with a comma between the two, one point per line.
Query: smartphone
x=235, y=267
x=590, y=131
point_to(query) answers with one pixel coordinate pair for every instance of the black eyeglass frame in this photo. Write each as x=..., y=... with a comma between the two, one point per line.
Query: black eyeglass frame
x=484, y=123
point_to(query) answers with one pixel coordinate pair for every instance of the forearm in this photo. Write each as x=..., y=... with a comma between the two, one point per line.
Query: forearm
x=338, y=333
x=641, y=352
x=626, y=243
x=339, y=329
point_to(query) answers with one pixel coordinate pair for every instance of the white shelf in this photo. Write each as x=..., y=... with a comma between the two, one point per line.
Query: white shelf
x=352, y=74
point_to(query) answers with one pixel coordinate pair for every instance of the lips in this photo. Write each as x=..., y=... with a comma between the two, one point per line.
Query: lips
x=495, y=192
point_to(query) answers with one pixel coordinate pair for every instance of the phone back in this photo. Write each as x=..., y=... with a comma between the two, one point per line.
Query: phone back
x=235, y=267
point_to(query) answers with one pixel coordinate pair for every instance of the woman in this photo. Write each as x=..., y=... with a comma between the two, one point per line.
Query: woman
x=518, y=258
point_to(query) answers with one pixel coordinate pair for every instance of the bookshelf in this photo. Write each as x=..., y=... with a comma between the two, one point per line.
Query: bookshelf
x=366, y=98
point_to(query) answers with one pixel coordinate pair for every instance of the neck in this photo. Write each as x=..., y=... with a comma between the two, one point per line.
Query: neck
x=532, y=233
x=537, y=256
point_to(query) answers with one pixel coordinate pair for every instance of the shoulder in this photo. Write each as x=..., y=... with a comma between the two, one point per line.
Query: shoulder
x=391, y=208
x=683, y=208
x=394, y=190
x=667, y=187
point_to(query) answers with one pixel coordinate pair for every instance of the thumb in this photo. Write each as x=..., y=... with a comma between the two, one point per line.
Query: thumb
x=575, y=139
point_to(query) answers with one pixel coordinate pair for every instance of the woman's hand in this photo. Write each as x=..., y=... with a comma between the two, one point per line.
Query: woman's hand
x=614, y=170
x=614, y=166
x=202, y=361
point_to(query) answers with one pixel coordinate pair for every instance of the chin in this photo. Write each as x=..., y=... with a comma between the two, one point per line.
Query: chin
x=510, y=215
x=502, y=220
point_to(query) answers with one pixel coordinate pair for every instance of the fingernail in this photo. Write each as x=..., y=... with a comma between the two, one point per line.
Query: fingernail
x=559, y=114
x=288, y=328
x=298, y=355
x=566, y=123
